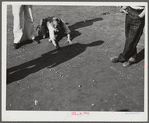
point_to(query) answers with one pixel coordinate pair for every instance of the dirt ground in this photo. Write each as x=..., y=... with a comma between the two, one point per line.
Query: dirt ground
x=78, y=77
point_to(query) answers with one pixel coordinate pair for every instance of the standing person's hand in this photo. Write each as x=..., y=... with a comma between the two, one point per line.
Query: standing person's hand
x=142, y=14
x=123, y=10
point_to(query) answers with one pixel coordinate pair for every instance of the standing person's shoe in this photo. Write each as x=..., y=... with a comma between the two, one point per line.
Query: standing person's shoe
x=129, y=62
x=114, y=59
x=16, y=45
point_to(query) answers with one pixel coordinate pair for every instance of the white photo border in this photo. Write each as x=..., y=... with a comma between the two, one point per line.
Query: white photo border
x=66, y=115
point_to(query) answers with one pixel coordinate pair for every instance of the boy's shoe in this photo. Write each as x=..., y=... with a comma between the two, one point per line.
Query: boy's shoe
x=114, y=59
x=57, y=47
x=36, y=42
x=50, y=40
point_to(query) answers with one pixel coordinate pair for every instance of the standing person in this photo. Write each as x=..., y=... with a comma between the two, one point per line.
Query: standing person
x=134, y=25
x=26, y=32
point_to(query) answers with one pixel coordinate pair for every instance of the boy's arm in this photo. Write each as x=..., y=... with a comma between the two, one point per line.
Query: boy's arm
x=66, y=30
x=68, y=37
x=65, y=27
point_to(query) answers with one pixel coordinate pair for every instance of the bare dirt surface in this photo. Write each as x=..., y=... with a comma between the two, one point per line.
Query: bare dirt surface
x=78, y=77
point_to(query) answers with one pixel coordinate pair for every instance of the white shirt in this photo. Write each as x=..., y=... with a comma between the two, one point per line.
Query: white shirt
x=137, y=7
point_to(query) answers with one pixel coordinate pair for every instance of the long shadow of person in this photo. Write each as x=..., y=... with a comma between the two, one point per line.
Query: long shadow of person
x=81, y=24
x=140, y=56
x=49, y=60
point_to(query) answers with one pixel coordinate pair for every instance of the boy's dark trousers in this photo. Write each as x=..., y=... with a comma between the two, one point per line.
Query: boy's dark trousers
x=133, y=30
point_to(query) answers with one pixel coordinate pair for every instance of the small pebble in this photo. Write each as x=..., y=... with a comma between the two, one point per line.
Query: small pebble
x=80, y=86
x=36, y=102
x=93, y=104
x=126, y=96
x=105, y=100
x=137, y=103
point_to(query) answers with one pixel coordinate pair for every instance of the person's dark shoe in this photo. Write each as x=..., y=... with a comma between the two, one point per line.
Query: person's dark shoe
x=16, y=45
x=114, y=59
x=129, y=62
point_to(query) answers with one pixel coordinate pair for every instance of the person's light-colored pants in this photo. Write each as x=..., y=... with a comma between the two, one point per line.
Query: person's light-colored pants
x=26, y=32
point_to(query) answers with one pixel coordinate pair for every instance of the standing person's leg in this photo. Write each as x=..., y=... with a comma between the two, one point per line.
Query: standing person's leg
x=128, y=34
x=127, y=26
x=133, y=34
x=127, y=31
x=28, y=23
x=17, y=11
x=132, y=53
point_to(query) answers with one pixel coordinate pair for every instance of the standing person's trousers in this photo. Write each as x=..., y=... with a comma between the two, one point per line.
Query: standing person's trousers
x=26, y=32
x=133, y=30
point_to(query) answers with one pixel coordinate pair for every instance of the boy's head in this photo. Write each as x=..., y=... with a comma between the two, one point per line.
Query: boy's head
x=56, y=23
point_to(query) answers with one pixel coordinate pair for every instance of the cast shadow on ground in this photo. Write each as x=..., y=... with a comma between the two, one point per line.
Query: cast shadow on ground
x=140, y=56
x=48, y=60
x=81, y=24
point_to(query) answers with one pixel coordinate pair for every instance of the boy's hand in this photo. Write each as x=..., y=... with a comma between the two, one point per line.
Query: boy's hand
x=142, y=14
x=69, y=41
